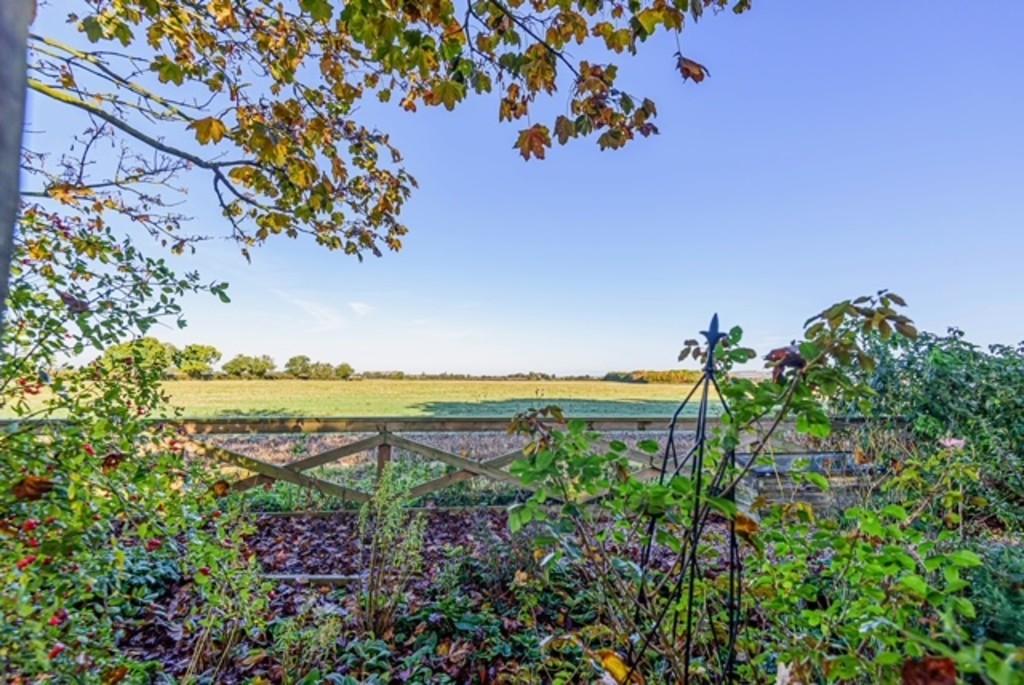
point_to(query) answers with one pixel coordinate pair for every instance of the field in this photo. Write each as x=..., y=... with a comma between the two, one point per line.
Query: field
x=420, y=398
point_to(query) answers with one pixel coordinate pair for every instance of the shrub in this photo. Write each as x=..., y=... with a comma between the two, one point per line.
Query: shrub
x=997, y=591
x=391, y=549
x=944, y=386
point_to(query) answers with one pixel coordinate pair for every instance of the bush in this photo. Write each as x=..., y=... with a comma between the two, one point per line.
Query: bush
x=944, y=386
x=997, y=590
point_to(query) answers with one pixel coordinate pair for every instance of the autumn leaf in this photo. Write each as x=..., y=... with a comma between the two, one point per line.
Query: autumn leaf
x=616, y=667
x=223, y=12
x=690, y=69
x=448, y=93
x=564, y=129
x=221, y=488
x=534, y=141
x=115, y=675
x=68, y=194
x=746, y=526
x=111, y=462
x=931, y=670
x=31, y=488
x=209, y=130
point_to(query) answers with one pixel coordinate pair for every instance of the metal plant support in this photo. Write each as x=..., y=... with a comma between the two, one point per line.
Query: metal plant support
x=685, y=582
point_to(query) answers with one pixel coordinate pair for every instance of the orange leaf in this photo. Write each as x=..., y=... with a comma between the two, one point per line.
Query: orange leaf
x=31, y=488
x=534, y=141
x=616, y=667
x=746, y=526
x=221, y=488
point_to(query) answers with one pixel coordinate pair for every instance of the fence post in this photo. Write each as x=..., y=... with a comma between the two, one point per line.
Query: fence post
x=383, y=457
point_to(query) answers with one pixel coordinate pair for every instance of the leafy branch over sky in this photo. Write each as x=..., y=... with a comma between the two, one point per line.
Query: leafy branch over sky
x=264, y=98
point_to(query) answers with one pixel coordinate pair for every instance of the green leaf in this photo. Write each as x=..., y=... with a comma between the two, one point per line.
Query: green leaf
x=818, y=479
x=93, y=30
x=964, y=558
x=319, y=10
x=449, y=93
x=648, y=446
x=915, y=584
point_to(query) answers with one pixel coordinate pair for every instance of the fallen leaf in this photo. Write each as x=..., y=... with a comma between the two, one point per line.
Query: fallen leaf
x=617, y=668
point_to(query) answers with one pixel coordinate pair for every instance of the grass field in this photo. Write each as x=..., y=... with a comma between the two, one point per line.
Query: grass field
x=420, y=398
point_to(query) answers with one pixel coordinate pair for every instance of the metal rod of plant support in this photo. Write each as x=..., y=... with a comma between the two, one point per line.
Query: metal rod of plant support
x=688, y=571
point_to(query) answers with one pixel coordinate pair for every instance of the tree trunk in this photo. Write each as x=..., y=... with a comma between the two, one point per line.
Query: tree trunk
x=15, y=16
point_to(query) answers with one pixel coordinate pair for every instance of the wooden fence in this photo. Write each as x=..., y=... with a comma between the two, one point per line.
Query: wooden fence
x=385, y=435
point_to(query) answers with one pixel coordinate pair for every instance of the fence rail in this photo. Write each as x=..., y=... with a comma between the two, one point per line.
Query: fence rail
x=385, y=435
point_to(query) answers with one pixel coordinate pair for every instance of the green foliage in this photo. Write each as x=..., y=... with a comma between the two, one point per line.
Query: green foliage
x=946, y=387
x=852, y=600
x=245, y=366
x=96, y=511
x=301, y=366
x=849, y=600
x=304, y=642
x=196, y=361
x=391, y=554
x=997, y=592
x=321, y=371
x=298, y=366
x=153, y=355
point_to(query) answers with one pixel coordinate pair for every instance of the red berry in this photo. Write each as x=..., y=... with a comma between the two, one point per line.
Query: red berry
x=205, y=570
x=26, y=562
x=154, y=544
x=89, y=449
x=57, y=650
x=30, y=525
x=32, y=542
x=59, y=618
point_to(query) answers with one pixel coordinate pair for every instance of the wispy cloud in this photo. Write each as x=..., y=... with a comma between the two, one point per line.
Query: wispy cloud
x=360, y=308
x=323, y=318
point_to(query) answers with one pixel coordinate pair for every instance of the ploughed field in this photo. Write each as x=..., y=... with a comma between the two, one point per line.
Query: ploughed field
x=420, y=397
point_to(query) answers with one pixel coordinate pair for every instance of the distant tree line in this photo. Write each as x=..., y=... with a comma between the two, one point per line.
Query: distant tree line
x=199, y=361
x=680, y=376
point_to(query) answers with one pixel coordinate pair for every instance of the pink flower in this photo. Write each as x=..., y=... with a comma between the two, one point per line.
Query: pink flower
x=953, y=443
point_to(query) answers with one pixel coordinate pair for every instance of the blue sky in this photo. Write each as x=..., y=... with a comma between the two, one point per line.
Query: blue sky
x=836, y=149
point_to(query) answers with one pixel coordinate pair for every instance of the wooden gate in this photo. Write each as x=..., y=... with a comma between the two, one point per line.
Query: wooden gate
x=385, y=436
